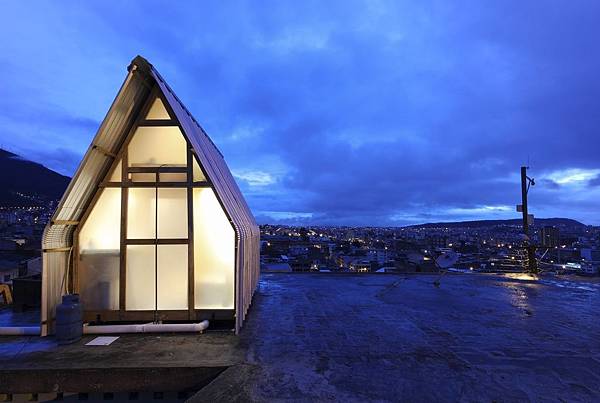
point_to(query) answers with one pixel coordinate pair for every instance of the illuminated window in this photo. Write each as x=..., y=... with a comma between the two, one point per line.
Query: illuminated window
x=158, y=111
x=214, y=248
x=116, y=173
x=172, y=213
x=172, y=270
x=155, y=146
x=156, y=231
x=140, y=278
x=99, y=242
x=198, y=175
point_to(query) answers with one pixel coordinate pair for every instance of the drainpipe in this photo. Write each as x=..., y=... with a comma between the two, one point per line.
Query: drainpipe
x=19, y=330
x=148, y=328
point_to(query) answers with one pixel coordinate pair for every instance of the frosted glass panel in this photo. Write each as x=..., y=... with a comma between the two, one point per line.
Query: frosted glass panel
x=142, y=177
x=99, y=279
x=214, y=248
x=172, y=213
x=198, y=175
x=141, y=213
x=154, y=146
x=158, y=111
x=116, y=174
x=173, y=177
x=140, y=278
x=172, y=276
x=99, y=243
x=101, y=230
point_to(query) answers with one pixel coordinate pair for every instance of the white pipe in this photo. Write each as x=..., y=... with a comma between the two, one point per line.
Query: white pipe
x=147, y=328
x=20, y=331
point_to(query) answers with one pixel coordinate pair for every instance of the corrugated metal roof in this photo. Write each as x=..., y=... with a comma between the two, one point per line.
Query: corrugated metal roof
x=228, y=192
x=96, y=163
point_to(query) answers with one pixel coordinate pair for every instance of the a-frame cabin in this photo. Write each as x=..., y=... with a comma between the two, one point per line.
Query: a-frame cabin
x=152, y=225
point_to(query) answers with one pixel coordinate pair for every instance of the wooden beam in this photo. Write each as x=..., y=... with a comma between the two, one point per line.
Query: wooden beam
x=159, y=123
x=201, y=184
x=190, y=215
x=160, y=241
x=153, y=185
x=165, y=169
x=104, y=151
x=75, y=262
x=122, y=242
x=182, y=315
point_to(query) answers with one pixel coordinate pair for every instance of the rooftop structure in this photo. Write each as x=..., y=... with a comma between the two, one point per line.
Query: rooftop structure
x=356, y=337
x=152, y=225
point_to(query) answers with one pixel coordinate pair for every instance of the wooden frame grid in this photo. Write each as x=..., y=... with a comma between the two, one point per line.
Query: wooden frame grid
x=123, y=314
x=109, y=147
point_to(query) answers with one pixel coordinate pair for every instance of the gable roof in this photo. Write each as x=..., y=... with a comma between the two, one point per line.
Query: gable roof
x=212, y=161
x=110, y=138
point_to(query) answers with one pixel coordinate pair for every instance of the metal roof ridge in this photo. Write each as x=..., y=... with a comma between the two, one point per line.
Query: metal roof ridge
x=143, y=65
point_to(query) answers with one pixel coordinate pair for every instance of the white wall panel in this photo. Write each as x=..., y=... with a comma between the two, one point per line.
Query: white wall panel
x=140, y=278
x=214, y=253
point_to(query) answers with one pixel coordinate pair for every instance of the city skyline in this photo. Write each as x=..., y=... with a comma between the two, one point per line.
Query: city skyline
x=380, y=113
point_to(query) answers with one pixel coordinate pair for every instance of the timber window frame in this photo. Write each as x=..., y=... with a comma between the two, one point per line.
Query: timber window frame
x=120, y=161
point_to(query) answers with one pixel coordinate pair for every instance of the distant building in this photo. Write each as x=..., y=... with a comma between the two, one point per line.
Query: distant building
x=276, y=267
x=438, y=241
x=590, y=255
x=550, y=237
x=7, y=274
x=380, y=255
x=360, y=266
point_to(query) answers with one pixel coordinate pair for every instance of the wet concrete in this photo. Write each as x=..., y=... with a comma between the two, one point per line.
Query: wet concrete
x=393, y=337
x=220, y=349
x=315, y=337
x=26, y=318
x=132, y=363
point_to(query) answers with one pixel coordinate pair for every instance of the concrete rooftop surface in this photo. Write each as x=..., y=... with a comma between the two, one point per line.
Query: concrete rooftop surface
x=368, y=337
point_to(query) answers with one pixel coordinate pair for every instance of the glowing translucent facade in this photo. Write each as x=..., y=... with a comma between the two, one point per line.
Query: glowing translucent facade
x=214, y=253
x=156, y=273
x=99, y=244
x=152, y=225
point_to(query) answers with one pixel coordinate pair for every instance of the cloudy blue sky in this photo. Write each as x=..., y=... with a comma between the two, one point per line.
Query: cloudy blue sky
x=334, y=112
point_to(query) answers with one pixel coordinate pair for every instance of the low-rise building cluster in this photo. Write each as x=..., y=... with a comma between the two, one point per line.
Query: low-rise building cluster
x=428, y=248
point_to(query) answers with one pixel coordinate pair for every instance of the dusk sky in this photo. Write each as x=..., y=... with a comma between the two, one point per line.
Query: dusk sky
x=342, y=113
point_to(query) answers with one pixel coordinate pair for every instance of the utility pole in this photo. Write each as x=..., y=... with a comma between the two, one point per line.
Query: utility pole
x=525, y=183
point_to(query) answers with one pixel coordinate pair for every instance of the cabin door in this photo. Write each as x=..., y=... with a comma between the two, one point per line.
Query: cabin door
x=157, y=249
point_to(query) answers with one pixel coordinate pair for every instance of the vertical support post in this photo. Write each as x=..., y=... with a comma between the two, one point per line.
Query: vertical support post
x=75, y=262
x=524, y=200
x=156, y=179
x=531, y=262
x=123, y=245
x=190, y=214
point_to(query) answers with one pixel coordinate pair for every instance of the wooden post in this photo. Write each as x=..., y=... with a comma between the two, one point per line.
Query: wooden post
x=190, y=214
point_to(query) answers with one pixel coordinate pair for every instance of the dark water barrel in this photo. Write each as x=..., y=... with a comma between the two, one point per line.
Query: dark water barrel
x=69, y=320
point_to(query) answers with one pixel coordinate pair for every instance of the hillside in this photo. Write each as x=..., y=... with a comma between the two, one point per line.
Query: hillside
x=27, y=183
x=491, y=223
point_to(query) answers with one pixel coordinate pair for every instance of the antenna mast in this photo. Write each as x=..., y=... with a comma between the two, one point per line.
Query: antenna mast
x=526, y=182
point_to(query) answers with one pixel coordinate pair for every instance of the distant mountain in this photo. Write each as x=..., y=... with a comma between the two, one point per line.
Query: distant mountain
x=27, y=183
x=567, y=222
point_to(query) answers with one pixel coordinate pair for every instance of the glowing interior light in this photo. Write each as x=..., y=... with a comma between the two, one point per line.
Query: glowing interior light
x=158, y=111
x=154, y=146
x=99, y=242
x=214, y=253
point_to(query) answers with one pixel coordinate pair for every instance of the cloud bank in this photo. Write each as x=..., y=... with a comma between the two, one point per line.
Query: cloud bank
x=349, y=112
